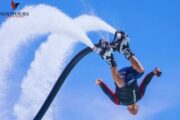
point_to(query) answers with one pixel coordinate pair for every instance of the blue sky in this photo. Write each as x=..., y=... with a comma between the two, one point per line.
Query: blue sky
x=153, y=27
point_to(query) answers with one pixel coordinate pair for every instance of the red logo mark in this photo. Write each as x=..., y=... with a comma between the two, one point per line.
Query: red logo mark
x=14, y=5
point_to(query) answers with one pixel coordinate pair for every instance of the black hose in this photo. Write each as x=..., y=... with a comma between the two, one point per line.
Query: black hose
x=60, y=82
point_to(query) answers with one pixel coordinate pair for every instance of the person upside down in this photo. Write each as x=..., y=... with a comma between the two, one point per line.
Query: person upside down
x=127, y=91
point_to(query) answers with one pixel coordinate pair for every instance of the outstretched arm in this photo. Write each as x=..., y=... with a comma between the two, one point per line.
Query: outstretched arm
x=108, y=92
x=147, y=80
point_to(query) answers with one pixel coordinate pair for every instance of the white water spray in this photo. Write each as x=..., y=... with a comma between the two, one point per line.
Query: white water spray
x=93, y=23
x=49, y=60
x=45, y=69
x=16, y=32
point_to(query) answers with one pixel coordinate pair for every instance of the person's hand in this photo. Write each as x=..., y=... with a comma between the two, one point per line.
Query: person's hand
x=157, y=72
x=98, y=82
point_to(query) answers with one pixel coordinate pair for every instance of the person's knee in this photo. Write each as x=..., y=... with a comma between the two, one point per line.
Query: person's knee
x=140, y=74
x=140, y=69
x=136, y=64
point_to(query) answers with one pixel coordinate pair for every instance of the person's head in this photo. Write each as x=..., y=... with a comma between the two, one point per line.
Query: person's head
x=133, y=109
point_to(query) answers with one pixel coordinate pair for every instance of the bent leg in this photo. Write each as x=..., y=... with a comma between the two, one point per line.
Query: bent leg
x=121, y=44
x=109, y=93
x=136, y=64
x=117, y=77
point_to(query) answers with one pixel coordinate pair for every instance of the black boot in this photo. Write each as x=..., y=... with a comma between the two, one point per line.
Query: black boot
x=106, y=52
x=121, y=44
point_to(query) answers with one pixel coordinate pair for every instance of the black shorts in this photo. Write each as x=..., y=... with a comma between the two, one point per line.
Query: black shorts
x=129, y=74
